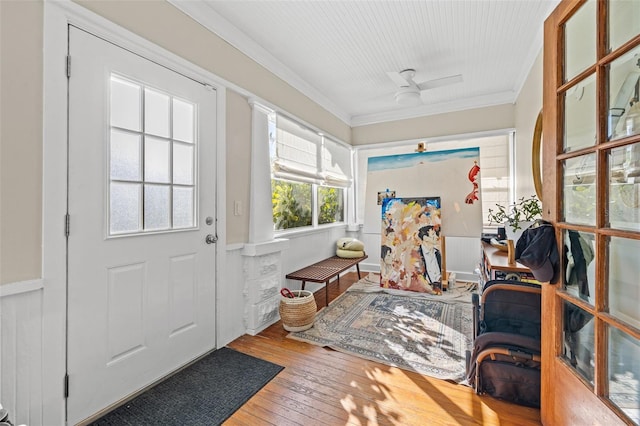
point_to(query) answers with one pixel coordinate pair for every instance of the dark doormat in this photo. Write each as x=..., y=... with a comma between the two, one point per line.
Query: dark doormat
x=205, y=393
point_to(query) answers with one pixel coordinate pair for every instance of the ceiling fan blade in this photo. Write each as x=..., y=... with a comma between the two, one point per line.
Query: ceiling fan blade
x=398, y=79
x=439, y=82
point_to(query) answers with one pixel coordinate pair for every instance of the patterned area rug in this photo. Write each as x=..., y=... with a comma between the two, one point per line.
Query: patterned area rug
x=426, y=335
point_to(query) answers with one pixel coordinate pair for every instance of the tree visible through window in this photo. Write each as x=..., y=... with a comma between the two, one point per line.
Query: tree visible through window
x=291, y=204
x=330, y=205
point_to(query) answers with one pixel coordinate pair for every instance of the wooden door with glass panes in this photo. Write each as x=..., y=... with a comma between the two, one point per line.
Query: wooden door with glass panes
x=591, y=168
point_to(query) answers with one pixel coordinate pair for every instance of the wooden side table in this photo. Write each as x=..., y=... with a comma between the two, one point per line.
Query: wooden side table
x=495, y=266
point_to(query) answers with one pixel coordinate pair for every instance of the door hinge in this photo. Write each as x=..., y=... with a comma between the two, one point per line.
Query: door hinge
x=68, y=66
x=66, y=385
x=67, y=224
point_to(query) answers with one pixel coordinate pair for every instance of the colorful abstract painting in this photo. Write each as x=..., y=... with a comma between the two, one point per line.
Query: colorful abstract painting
x=410, y=255
x=452, y=175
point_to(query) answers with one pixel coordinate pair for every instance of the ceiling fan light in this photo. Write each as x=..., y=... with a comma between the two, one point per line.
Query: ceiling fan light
x=408, y=98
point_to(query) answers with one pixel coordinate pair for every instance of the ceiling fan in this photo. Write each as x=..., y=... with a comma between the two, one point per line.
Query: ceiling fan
x=409, y=91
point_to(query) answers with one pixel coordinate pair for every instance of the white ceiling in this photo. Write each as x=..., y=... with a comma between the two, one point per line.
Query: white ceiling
x=338, y=52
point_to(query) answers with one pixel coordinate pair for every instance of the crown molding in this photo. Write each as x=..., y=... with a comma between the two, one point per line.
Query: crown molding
x=502, y=98
x=201, y=12
x=534, y=50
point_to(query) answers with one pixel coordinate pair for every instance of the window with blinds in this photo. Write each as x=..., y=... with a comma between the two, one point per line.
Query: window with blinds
x=310, y=175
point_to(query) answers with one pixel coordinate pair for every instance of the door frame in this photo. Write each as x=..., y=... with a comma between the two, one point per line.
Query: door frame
x=57, y=17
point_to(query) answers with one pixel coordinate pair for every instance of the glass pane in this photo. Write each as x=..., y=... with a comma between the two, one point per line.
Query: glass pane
x=580, y=270
x=624, y=373
x=624, y=187
x=579, y=204
x=156, y=160
x=183, y=120
x=624, y=287
x=578, y=340
x=125, y=156
x=624, y=21
x=580, y=40
x=291, y=204
x=125, y=104
x=156, y=207
x=183, y=211
x=624, y=102
x=580, y=115
x=182, y=164
x=124, y=209
x=330, y=205
x=156, y=113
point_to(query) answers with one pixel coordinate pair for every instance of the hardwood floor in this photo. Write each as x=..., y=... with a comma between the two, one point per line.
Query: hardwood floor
x=320, y=386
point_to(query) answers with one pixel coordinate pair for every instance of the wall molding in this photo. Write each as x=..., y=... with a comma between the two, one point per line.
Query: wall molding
x=20, y=287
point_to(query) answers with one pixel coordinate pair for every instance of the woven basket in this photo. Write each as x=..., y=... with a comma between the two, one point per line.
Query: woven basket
x=298, y=313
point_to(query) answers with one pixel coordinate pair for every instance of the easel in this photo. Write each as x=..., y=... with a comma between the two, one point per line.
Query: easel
x=446, y=276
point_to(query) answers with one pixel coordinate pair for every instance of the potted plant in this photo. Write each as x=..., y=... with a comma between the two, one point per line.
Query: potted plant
x=518, y=216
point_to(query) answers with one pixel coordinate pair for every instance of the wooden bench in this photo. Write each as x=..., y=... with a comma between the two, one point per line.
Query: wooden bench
x=325, y=270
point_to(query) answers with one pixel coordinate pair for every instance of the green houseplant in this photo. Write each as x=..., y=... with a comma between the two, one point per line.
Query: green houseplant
x=514, y=215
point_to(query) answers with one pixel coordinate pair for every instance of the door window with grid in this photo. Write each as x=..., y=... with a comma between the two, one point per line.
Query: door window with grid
x=152, y=159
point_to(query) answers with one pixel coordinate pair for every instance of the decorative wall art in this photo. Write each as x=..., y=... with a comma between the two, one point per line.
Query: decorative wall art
x=385, y=194
x=410, y=254
x=453, y=175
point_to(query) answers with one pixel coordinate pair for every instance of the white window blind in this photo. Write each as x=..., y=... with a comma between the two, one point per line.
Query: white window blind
x=301, y=154
x=336, y=163
x=297, y=151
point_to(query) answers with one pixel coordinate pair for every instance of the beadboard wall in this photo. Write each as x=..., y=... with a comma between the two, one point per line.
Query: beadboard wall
x=21, y=355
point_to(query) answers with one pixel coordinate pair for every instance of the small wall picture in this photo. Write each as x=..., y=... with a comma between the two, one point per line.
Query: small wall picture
x=382, y=195
x=410, y=254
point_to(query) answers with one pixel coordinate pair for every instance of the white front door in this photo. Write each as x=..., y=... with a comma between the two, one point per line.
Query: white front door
x=141, y=258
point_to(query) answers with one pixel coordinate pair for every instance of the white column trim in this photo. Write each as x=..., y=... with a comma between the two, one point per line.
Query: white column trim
x=260, y=216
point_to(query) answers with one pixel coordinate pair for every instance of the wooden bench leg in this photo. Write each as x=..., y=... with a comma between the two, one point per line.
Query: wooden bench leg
x=358, y=269
x=303, y=283
x=326, y=293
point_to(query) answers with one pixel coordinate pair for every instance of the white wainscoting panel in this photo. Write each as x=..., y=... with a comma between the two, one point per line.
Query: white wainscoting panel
x=21, y=351
x=463, y=255
x=306, y=248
